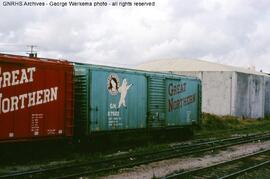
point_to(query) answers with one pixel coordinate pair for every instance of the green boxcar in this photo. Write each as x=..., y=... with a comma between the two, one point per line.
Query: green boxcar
x=109, y=99
x=117, y=99
x=173, y=101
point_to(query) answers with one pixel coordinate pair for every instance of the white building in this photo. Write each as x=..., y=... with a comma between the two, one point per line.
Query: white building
x=226, y=90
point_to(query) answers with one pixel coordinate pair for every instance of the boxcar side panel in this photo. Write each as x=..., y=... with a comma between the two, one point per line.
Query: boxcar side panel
x=117, y=100
x=182, y=102
x=35, y=98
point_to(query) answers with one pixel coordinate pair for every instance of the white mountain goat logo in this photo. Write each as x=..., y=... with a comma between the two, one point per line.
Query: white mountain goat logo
x=113, y=88
x=123, y=89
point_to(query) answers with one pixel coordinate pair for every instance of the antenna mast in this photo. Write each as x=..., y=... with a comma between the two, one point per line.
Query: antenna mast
x=32, y=53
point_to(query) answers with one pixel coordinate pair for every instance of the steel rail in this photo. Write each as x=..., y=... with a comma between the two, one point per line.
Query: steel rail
x=84, y=173
x=246, y=170
x=176, y=152
x=194, y=171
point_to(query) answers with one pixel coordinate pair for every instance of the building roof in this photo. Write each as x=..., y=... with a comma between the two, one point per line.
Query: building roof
x=191, y=65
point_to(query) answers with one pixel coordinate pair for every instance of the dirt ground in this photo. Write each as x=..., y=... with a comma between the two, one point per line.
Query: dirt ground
x=163, y=168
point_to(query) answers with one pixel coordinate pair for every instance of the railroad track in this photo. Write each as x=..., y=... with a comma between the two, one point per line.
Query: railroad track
x=227, y=169
x=127, y=161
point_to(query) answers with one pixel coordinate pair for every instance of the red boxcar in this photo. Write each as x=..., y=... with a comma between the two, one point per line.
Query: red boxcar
x=36, y=98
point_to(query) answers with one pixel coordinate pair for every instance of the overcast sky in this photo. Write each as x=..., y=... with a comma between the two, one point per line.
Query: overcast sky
x=233, y=32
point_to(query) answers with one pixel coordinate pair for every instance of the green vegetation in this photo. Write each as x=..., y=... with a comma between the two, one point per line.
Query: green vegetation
x=212, y=124
x=217, y=122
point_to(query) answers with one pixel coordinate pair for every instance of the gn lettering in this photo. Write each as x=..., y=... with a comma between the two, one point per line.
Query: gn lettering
x=26, y=100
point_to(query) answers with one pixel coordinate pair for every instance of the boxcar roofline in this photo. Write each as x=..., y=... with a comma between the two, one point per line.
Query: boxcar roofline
x=135, y=71
x=17, y=59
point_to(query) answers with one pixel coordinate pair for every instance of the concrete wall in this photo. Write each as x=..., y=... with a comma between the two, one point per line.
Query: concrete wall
x=233, y=93
x=267, y=96
x=250, y=92
x=217, y=91
x=242, y=93
x=257, y=96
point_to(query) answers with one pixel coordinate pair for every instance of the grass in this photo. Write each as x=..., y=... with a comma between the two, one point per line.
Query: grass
x=218, y=122
x=215, y=124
